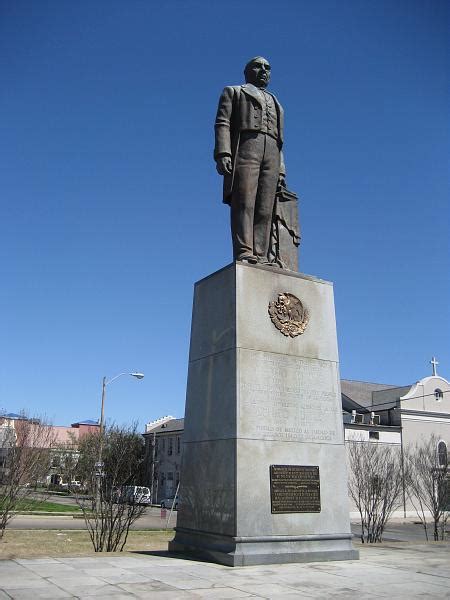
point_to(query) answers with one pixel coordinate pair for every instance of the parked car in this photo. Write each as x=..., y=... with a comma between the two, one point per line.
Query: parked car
x=133, y=494
x=171, y=502
x=73, y=485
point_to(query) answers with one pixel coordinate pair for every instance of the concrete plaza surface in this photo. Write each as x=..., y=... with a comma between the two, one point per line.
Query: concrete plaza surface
x=395, y=570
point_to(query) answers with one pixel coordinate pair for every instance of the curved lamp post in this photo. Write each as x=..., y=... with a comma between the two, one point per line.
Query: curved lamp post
x=107, y=382
x=99, y=464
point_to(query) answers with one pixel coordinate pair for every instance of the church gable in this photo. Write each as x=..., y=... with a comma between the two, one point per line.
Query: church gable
x=431, y=394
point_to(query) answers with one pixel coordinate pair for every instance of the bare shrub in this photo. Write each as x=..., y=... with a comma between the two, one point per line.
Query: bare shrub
x=428, y=484
x=107, y=463
x=25, y=456
x=375, y=483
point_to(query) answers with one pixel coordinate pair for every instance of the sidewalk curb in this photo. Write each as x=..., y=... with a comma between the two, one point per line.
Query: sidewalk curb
x=36, y=513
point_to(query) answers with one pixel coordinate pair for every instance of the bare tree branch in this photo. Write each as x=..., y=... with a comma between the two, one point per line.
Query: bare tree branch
x=108, y=463
x=26, y=448
x=375, y=481
x=428, y=481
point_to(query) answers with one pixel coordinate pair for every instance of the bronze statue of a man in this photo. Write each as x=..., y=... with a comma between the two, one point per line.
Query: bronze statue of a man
x=249, y=137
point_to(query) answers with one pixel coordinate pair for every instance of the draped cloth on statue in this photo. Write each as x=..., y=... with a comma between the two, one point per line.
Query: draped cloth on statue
x=285, y=234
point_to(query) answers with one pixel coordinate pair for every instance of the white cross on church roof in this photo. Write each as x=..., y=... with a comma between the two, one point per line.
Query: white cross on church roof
x=434, y=362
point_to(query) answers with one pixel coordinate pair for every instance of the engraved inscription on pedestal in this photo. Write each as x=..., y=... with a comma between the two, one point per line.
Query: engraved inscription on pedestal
x=289, y=399
x=294, y=489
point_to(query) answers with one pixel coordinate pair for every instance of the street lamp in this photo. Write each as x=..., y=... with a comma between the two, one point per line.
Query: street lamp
x=107, y=382
x=99, y=464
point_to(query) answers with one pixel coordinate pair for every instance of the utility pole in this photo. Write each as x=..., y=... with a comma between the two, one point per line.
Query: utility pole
x=153, y=466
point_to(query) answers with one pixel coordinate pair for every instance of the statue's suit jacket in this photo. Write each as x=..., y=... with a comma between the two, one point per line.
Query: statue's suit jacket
x=240, y=110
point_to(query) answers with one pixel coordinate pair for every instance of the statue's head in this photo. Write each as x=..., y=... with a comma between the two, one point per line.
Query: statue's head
x=257, y=71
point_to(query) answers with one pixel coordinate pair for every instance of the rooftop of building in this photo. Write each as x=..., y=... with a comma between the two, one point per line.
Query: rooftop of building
x=361, y=392
x=167, y=427
x=13, y=416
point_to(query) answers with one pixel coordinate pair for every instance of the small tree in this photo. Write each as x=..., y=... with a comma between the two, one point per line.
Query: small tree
x=375, y=481
x=109, y=461
x=26, y=446
x=428, y=479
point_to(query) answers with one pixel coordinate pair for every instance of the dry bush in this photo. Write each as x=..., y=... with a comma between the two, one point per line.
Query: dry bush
x=428, y=484
x=107, y=462
x=26, y=451
x=375, y=481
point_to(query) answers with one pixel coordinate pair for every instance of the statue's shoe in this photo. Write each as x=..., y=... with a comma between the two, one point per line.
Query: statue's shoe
x=248, y=258
x=266, y=263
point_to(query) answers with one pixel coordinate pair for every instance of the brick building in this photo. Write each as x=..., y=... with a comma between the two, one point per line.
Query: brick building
x=64, y=442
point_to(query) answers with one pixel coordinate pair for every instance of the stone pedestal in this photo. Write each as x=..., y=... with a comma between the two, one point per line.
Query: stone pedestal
x=257, y=399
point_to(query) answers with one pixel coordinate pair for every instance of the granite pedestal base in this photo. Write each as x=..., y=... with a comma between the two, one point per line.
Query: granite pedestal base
x=243, y=552
x=257, y=398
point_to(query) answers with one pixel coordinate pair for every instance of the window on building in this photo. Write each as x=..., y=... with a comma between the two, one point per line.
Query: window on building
x=163, y=445
x=374, y=435
x=438, y=394
x=178, y=444
x=442, y=454
x=156, y=447
x=170, y=447
x=170, y=476
x=162, y=479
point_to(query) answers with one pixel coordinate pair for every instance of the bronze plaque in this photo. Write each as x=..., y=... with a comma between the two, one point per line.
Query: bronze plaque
x=294, y=489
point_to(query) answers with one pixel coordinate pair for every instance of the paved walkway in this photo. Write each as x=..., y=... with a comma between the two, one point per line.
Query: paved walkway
x=391, y=571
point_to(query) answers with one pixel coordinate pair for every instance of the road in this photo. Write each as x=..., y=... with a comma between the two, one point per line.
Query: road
x=151, y=519
x=398, y=531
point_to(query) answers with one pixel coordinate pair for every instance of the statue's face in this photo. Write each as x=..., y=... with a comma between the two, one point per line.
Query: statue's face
x=258, y=72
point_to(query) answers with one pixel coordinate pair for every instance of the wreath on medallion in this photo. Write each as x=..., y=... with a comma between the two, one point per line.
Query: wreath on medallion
x=288, y=314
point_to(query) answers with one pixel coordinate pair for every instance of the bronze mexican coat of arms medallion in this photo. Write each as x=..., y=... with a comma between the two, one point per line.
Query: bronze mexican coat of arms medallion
x=288, y=314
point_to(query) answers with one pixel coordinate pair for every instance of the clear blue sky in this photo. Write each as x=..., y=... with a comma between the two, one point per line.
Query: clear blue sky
x=111, y=205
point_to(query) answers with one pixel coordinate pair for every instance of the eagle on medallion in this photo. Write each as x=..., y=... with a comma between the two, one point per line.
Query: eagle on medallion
x=288, y=314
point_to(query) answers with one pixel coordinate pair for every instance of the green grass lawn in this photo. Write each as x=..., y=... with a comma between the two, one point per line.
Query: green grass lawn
x=38, y=543
x=42, y=505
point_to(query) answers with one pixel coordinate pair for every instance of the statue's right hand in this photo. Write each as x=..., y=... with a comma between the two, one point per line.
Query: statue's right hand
x=224, y=166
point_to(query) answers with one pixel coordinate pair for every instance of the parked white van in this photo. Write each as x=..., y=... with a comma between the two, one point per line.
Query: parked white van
x=135, y=494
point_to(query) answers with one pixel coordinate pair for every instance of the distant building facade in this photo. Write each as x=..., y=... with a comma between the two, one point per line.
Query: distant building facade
x=163, y=442
x=399, y=416
x=65, y=449
x=372, y=413
x=64, y=443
